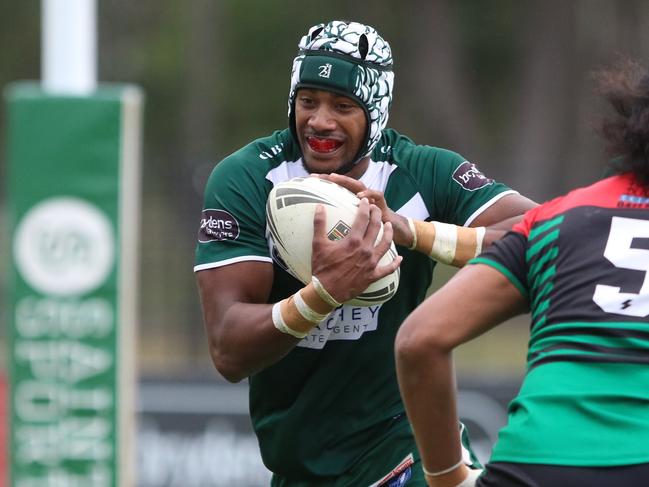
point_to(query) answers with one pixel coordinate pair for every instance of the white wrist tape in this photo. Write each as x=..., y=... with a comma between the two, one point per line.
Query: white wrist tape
x=323, y=293
x=441, y=472
x=445, y=243
x=306, y=311
x=280, y=324
x=411, y=225
x=480, y=233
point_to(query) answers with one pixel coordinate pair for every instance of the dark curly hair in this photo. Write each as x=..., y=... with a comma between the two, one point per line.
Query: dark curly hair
x=626, y=132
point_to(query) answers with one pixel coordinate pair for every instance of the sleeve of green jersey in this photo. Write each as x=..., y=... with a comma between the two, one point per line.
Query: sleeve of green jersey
x=460, y=191
x=233, y=222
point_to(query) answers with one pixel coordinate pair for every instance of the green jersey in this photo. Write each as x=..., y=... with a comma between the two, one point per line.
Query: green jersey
x=322, y=407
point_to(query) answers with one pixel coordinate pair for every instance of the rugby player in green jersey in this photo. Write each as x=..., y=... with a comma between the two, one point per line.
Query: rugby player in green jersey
x=324, y=398
x=579, y=264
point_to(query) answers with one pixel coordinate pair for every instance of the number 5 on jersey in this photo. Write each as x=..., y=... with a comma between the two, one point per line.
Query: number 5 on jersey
x=619, y=251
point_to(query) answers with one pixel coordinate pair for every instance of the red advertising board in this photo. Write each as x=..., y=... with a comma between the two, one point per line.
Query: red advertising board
x=4, y=415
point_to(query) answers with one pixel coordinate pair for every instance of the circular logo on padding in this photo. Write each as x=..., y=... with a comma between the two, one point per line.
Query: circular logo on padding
x=64, y=246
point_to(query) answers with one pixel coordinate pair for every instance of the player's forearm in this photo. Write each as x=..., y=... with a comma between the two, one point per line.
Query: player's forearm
x=427, y=383
x=456, y=245
x=445, y=242
x=453, y=244
x=245, y=341
x=253, y=336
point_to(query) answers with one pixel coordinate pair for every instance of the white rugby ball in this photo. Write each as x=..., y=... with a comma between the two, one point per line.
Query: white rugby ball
x=289, y=216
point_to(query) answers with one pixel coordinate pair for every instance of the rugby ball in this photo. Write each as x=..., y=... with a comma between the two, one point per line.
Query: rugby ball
x=289, y=217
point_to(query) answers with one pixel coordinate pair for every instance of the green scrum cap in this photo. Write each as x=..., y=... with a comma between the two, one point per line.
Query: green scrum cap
x=351, y=59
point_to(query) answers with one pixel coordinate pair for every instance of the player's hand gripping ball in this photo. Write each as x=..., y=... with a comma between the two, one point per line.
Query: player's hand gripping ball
x=289, y=215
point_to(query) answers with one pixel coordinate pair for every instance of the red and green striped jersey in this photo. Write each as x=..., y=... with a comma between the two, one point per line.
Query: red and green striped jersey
x=582, y=261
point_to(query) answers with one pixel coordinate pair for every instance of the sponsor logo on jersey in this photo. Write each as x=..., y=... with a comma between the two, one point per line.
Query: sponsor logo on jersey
x=217, y=225
x=344, y=323
x=632, y=201
x=470, y=178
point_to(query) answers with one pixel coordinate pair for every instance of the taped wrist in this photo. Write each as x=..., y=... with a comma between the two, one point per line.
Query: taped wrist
x=447, y=243
x=413, y=230
x=299, y=313
x=323, y=293
x=441, y=472
x=433, y=478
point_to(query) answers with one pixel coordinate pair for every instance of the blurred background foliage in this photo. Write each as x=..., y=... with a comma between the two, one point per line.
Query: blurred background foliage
x=507, y=83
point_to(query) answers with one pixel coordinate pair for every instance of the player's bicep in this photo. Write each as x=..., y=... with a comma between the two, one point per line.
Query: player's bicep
x=504, y=213
x=243, y=282
x=481, y=297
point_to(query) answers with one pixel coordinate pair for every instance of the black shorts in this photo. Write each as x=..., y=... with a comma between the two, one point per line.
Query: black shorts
x=503, y=474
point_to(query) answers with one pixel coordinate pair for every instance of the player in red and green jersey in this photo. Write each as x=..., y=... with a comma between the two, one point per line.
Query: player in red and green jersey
x=580, y=265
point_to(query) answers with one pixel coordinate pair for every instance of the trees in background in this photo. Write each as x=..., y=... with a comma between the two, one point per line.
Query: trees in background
x=506, y=83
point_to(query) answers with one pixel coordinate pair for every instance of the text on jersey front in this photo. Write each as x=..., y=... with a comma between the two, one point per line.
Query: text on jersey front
x=344, y=323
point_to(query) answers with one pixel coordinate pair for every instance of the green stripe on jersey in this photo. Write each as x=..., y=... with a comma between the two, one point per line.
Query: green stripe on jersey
x=541, y=244
x=616, y=325
x=629, y=343
x=617, y=341
x=542, y=293
x=536, y=231
x=559, y=355
x=504, y=271
x=538, y=324
x=541, y=308
x=543, y=261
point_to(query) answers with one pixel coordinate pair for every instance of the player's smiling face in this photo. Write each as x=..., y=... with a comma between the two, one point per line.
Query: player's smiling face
x=330, y=129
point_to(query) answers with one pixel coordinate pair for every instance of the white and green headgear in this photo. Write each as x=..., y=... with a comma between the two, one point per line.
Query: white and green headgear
x=351, y=59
